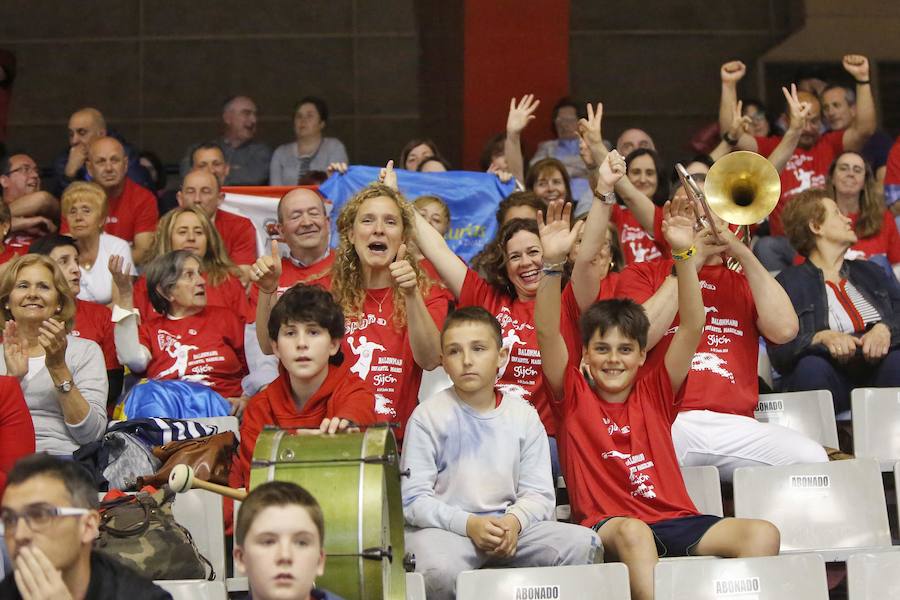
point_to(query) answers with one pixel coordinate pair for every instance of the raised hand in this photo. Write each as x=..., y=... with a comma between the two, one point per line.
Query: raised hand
x=238, y=405
x=557, y=238
x=611, y=171
x=733, y=71
x=798, y=111
x=857, y=65
x=503, y=176
x=521, y=113
x=266, y=271
x=336, y=167
x=388, y=176
x=52, y=337
x=402, y=272
x=740, y=124
x=76, y=159
x=589, y=129
x=677, y=226
x=121, y=275
x=14, y=351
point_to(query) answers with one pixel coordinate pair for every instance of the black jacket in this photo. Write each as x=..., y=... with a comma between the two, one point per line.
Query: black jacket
x=805, y=285
x=109, y=581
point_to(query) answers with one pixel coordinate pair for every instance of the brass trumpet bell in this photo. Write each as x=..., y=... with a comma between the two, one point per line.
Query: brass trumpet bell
x=742, y=188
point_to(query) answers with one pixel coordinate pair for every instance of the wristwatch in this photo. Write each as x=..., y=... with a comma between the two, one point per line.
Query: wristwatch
x=65, y=386
x=608, y=198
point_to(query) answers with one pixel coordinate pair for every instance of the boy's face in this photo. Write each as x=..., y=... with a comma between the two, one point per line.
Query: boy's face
x=471, y=356
x=304, y=348
x=282, y=554
x=613, y=360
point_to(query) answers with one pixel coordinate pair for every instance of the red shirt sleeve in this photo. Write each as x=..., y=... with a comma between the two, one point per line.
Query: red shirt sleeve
x=16, y=427
x=239, y=238
x=255, y=418
x=569, y=318
x=637, y=282
x=142, y=299
x=438, y=304
x=475, y=290
x=352, y=400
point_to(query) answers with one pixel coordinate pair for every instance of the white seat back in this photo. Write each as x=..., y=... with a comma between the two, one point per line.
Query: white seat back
x=200, y=512
x=191, y=589
x=831, y=508
x=223, y=423
x=811, y=413
x=584, y=582
x=705, y=488
x=797, y=577
x=876, y=424
x=415, y=586
x=873, y=575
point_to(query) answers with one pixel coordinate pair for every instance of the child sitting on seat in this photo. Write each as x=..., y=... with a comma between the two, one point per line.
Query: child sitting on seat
x=314, y=388
x=479, y=491
x=618, y=458
x=279, y=543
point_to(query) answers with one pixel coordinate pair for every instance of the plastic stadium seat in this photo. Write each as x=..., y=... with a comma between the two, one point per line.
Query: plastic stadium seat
x=200, y=512
x=415, y=586
x=223, y=423
x=873, y=575
x=811, y=413
x=797, y=577
x=764, y=365
x=191, y=589
x=705, y=488
x=876, y=424
x=897, y=487
x=835, y=509
x=584, y=582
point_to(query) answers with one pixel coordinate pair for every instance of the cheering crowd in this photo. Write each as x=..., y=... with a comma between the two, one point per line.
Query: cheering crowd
x=607, y=334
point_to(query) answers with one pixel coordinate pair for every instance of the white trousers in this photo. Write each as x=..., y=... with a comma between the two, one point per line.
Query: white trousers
x=703, y=437
x=441, y=555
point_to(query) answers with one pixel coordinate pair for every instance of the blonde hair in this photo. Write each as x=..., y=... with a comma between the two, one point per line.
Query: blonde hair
x=423, y=201
x=215, y=262
x=87, y=192
x=10, y=273
x=347, y=284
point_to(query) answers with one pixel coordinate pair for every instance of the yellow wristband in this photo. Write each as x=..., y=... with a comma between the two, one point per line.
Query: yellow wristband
x=685, y=254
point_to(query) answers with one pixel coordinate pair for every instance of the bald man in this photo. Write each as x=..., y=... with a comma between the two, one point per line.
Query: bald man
x=200, y=188
x=808, y=166
x=85, y=126
x=34, y=212
x=132, y=213
x=633, y=139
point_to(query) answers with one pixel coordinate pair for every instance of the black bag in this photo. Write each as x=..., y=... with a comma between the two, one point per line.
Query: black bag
x=141, y=532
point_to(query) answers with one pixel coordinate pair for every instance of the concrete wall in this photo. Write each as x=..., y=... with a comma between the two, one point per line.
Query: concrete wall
x=159, y=70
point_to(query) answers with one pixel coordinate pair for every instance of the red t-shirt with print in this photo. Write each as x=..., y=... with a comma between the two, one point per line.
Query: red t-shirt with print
x=637, y=245
x=238, y=235
x=206, y=348
x=229, y=294
x=618, y=458
x=723, y=376
x=318, y=273
x=805, y=169
x=380, y=354
x=94, y=322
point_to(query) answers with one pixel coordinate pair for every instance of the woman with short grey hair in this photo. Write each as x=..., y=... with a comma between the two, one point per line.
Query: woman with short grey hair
x=188, y=340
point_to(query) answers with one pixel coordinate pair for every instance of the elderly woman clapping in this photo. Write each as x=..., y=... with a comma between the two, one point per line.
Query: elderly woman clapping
x=849, y=310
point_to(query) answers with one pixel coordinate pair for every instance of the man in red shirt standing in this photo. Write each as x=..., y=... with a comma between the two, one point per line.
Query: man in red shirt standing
x=200, y=188
x=808, y=166
x=132, y=209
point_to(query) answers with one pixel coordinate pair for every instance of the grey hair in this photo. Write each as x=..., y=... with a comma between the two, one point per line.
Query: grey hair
x=162, y=274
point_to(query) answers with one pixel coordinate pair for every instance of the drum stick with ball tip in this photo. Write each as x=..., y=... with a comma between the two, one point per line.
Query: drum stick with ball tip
x=181, y=479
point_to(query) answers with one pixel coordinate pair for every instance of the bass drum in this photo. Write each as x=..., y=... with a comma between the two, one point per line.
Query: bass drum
x=356, y=479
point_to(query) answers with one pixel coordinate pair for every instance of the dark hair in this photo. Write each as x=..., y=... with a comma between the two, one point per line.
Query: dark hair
x=474, y=314
x=161, y=179
x=162, y=274
x=561, y=104
x=320, y=105
x=493, y=147
x=207, y=146
x=494, y=260
x=849, y=93
x=412, y=144
x=699, y=179
x=4, y=164
x=5, y=215
x=49, y=243
x=761, y=107
x=871, y=201
x=675, y=182
x=436, y=159
x=519, y=199
x=804, y=209
x=662, y=184
x=313, y=178
x=540, y=167
x=308, y=304
x=623, y=313
x=276, y=493
x=77, y=479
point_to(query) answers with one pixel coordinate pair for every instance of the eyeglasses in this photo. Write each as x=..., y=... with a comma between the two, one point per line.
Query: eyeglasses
x=38, y=516
x=26, y=169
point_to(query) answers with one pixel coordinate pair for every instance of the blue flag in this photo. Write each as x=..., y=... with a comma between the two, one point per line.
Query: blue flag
x=471, y=197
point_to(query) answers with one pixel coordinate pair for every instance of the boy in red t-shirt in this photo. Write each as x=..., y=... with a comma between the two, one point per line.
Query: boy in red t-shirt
x=616, y=444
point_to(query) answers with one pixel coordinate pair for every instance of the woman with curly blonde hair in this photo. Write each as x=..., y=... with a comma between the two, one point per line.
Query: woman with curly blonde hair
x=393, y=313
x=188, y=228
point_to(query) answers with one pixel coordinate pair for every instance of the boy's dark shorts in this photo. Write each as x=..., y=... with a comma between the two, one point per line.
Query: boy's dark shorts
x=677, y=537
